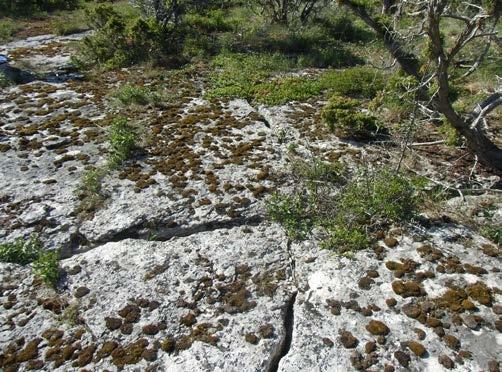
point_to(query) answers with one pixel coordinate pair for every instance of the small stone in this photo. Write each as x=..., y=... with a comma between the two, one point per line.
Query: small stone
x=390, y=242
x=376, y=327
x=403, y=358
x=417, y=348
x=369, y=347
x=327, y=342
x=251, y=338
x=81, y=292
x=452, y=342
x=113, y=323
x=347, y=339
x=470, y=321
x=446, y=361
x=391, y=302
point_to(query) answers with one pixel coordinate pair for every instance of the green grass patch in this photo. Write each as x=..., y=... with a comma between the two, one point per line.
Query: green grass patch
x=257, y=78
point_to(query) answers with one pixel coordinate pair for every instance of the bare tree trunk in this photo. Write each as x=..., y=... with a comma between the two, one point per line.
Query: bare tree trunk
x=471, y=127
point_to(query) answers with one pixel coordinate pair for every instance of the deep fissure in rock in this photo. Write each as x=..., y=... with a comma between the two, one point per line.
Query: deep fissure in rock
x=289, y=318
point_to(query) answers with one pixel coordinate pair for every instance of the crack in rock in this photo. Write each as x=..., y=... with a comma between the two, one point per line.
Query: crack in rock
x=285, y=346
x=145, y=231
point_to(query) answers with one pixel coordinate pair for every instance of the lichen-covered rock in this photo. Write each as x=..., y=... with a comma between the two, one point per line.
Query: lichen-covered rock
x=204, y=272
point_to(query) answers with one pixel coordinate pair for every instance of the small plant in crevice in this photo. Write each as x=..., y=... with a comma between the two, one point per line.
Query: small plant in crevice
x=122, y=141
x=90, y=192
x=46, y=267
x=291, y=212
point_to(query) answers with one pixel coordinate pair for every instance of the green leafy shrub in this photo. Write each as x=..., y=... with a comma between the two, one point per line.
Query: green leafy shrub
x=122, y=140
x=344, y=118
x=47, y=267
x=32, y=7
x=290, y=211
x=451, y=135
x=21, y=251
x=347, y=212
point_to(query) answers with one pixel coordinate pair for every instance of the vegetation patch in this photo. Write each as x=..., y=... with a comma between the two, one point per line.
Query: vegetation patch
x=122, y=140
x=344, y=117
x=347, y=212
x=24, y=251
x=131, y=94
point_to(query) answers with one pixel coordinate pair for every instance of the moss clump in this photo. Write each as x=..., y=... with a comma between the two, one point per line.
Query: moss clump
x=188, y=320
x=251, y=338
x=408, y=288
x=85, y=356
x=417, y=348
x=480, y=292
x=129, y=354
x=106, y=349
x=130, y=313
x=150, y=329
x=113, y=323
x=29, y=352
x=347, y=339
x=377, y=328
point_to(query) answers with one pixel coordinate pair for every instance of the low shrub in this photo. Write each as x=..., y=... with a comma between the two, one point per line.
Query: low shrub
x=343, y=117
x=33, y=7
x=122, y=141
x=347, y=212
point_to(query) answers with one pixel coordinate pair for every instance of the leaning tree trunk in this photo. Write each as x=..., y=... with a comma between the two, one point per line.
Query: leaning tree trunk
x=471, y=127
